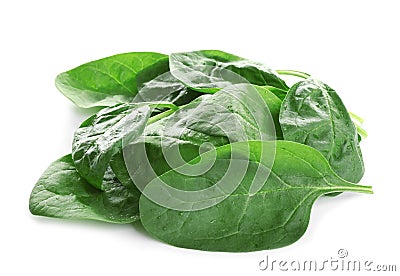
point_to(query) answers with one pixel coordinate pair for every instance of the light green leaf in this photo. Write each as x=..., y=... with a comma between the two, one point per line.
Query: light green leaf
x=107, y=81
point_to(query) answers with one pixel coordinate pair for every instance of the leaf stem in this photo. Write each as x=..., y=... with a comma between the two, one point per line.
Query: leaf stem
x=162, y=104
x=361, y=131
x=294, y=73
x=356, y=188
x=357, y=120
x=356, y=117
x=160, y=116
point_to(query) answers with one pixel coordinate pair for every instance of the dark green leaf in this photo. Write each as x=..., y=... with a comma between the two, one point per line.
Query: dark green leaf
x=196, y=136
x=313, y=114
x=274, y=103
x=100, y=137
x=166, y=87
x=236, y=113
x=62, y=193
x=107, y=81
x=273, y=216
x=210, y=70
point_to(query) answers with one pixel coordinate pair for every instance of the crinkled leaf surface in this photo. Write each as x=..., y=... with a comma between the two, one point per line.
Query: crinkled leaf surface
x=210, y=70
x=107, y=81
x=313, y=114
x=166, y=87
x=62, y=193
x=274, y=216
x=100, y=137
x=251, y=114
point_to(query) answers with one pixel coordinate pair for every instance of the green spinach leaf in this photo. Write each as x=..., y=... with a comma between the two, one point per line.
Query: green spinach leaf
x=166, y=87
x=62, y=193
x=313, y=114
x=210, y=70
x=280, y=93
x=274, y=216
x=100, y=137
x=107, y=81
x=237, y=113
x=194, y=142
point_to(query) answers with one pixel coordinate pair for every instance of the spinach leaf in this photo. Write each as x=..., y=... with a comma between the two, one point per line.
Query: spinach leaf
x=313, y=114
x=151, y=72
x=62, y=193
x=280, y=93
x=273, y=101
x=274, y=216
x=107, y=81
x=166, y=87
x=100, y=137
x=237, y=113
x=210, y=70
x=194, y=142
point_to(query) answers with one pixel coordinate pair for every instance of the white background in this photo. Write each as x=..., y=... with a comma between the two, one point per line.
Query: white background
x=351, y=45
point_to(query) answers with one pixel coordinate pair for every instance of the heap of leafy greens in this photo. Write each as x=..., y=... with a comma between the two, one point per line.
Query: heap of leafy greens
x=314, y=141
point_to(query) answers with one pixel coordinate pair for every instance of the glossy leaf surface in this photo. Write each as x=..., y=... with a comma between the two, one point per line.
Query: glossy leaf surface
x=195, y=141
x=62, y=193
x=166, y=87
x=107, y=81
x=313, y=114
x=230, y=115
x=274, y=216
x=100, y=137
x=210, y=70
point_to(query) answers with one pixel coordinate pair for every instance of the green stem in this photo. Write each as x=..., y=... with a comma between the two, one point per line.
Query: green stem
x=349, y=188
x=361, y=131
x=160, y=116
x=359, y=188
x=356, y=117
x=162, y=104
x=293, y=73
x=357, y=121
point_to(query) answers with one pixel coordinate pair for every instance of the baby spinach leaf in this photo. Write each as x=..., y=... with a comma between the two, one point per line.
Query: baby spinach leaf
x=166, y=87
x=313, y=114
x=273, y=101
x=107, y=81
x=62, y=193
x=238, y=113
x=280, y=93
x=151, y=72
x=208, y=71
x=194, y=140
x=274, y=216
x=100, y=137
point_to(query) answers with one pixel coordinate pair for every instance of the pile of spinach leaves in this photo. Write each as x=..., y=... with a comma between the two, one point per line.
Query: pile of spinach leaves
x=297, y=142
